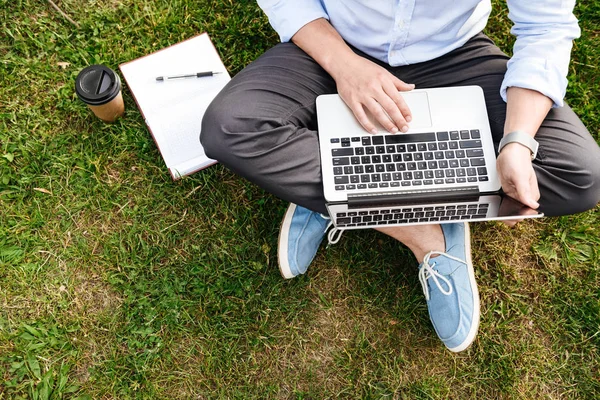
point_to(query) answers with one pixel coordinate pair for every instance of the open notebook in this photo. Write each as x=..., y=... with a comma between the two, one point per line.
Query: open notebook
x=173, y=109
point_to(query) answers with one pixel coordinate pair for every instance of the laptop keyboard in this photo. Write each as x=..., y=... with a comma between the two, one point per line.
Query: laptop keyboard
x=404, y=215
x=408, y=160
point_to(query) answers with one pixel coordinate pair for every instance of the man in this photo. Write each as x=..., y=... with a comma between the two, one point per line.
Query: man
x=263, y=124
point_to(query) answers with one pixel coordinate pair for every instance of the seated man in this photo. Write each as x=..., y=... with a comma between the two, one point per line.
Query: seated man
x=263, y=124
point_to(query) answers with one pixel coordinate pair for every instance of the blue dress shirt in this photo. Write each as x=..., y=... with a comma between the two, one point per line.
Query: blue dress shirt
x=401, y=32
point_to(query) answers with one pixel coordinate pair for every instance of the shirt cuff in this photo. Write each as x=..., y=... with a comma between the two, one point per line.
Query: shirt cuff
x=536, y=74
x=287, y=19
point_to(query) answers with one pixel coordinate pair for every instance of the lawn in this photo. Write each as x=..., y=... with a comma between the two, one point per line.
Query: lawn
x=116, y=282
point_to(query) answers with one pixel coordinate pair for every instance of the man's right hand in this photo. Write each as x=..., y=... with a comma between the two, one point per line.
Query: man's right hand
x=362, y=84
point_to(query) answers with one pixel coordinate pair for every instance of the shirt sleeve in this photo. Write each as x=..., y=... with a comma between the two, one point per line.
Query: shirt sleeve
x=288, y=16
x=545, y=30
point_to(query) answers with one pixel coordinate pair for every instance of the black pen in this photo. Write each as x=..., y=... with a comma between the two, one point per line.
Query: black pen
x=194, y=75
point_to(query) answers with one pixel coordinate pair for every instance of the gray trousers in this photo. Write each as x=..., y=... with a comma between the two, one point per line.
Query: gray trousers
x=263, y=125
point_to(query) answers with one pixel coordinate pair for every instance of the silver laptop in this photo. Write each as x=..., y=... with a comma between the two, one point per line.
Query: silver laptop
x=442, y=169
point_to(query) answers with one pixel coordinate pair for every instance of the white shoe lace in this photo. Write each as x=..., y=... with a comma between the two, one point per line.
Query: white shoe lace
x=427, y=272
x=334, y=234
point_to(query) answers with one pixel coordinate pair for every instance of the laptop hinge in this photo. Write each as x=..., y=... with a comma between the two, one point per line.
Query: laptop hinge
x=413, y=196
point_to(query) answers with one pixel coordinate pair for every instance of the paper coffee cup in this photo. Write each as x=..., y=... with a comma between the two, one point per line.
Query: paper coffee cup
x=100, y=88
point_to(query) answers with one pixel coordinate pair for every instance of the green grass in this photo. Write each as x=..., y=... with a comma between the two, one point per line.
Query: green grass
x=116, y=282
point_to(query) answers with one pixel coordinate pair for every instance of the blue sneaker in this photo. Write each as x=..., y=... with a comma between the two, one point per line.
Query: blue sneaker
x=301, y=233
x=448, y=282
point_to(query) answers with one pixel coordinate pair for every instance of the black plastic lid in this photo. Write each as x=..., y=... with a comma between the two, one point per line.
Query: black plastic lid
x=97, y=85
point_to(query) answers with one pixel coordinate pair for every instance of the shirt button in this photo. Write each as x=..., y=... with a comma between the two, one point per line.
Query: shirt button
x=400, y=24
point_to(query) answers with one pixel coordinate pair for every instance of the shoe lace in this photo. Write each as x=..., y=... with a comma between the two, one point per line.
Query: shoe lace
x=335, y=234
x=427, y=272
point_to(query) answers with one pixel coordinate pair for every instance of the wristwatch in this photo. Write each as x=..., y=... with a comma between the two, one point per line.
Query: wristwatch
x=523, y=139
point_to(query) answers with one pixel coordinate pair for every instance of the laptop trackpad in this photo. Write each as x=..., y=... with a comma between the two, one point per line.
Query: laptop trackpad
x=418, y=103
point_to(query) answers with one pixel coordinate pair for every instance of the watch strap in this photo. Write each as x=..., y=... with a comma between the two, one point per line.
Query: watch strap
x=523, y=139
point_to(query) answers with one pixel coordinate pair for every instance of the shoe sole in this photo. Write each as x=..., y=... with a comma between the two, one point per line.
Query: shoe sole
x=282, y=251
x=476, y=314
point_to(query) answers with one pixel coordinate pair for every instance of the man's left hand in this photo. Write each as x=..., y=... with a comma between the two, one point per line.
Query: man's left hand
x=517, y=175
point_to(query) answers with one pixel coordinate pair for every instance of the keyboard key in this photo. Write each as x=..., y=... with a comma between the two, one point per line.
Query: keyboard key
x=464, y=162
x=422, y=147
x=453, y=163
x=386, y=177
x=350, y=187
x=380, y=168
x=411, y=166
x=339, y=187
x=341, y=180
x=453, y=145
x=443, y=146
x=409, y=138
x=337, y=170
x=335, y=140
x=377, y=139
x=366, y=140
x=365, y=178
x=475, y=153
x=376, y=159
x=380, y=149
x=470, y=144
x=359, y=151
x=386, y=158
x=481, y=171
x=475, y=134
x=355, y=160
x=341, y=161
x=458, y=153
x=348, y=170
x=476, y=162
x=454, y=135
x=354, y=179
x=370, y=150
x=355, y=139
x=411, y=148
x=432, y=146
x=465, y=135
x=390, y=148
x=442, y=136
x=345, y=144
